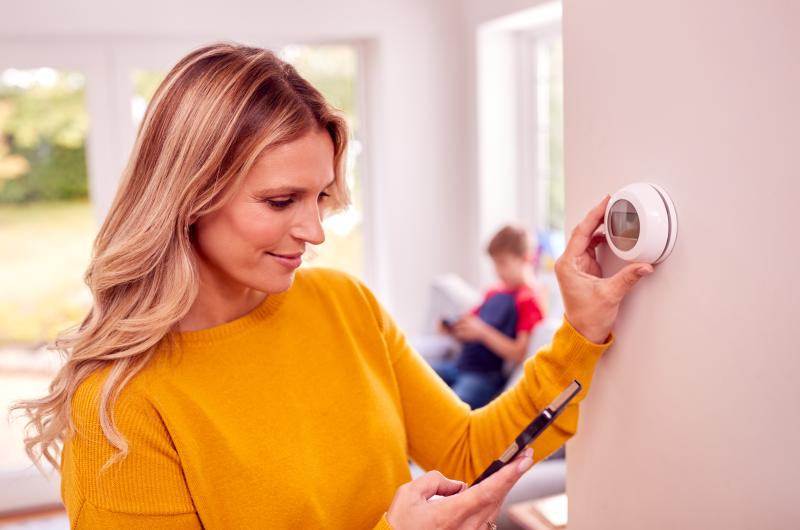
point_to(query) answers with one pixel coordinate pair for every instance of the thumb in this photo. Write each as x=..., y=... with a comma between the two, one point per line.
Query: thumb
x=498, y=485
x=434, y=483
x=625, y=279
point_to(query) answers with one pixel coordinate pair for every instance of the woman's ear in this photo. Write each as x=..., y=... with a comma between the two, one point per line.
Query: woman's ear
x=191, y=232
x=192, y=221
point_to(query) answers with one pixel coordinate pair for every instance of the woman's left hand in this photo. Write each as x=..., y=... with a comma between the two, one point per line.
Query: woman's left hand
x=591, y=302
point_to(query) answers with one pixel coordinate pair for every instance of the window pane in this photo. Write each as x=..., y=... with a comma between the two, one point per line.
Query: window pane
x=551, y=138
x=550, y=149
x=46, y=231
x=46, y=220
x=145, y=83
x=333, y=71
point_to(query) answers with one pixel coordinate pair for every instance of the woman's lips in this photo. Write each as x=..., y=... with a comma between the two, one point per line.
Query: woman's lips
x=290, y=261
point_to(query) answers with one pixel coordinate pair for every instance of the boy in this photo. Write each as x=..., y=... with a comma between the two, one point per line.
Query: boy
x=498, y=329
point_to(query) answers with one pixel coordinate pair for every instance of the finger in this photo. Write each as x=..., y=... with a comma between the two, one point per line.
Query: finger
x=493, y=490
x=494, y=515
x=481, y=503
x=434, y=483
x=462, y=331
x=597, y=239
x=582, y=234
x=480, y=521
x=623, y=281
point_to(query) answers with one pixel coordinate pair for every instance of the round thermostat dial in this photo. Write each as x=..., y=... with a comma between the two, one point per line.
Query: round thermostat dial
x=641, y=223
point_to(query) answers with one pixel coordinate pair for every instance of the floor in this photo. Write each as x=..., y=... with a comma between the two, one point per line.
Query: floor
x=48, y=520
x=23, y=374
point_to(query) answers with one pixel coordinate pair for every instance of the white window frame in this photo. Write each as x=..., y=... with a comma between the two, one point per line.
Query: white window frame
x=507, y=117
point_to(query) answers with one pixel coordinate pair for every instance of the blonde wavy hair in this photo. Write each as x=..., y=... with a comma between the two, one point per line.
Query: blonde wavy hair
x=215, y=113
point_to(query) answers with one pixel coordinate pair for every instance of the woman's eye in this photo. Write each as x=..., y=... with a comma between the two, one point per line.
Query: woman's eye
x=279, y=203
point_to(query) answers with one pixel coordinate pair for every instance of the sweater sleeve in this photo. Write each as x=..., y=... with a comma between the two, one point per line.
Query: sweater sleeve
x=444, y=434
x=145, y=490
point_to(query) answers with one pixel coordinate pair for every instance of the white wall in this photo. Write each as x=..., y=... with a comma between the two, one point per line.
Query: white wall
x=692, y=421
x=415, y=148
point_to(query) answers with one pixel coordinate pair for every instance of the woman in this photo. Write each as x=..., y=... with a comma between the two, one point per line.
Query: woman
x=213, y=384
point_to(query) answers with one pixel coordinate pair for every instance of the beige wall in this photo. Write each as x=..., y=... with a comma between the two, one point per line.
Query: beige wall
x=693, y=419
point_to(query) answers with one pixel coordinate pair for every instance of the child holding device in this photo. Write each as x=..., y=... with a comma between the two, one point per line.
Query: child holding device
x=497, y=330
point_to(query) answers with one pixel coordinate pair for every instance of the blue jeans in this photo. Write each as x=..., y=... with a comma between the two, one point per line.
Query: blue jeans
x=474, y=388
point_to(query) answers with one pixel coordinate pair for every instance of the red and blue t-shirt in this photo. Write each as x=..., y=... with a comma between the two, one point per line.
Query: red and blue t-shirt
x=510, y=311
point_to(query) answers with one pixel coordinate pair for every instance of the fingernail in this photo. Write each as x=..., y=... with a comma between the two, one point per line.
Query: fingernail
x=643, y=271
x=523, y=466
x=527, y=461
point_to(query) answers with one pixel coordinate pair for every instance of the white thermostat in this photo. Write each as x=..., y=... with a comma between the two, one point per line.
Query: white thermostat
x=641, y=223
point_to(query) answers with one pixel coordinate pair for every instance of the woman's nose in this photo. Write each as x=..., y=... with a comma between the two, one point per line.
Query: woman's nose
x=309, y=228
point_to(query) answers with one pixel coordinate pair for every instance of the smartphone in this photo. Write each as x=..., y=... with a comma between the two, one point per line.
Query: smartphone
x=533, y=430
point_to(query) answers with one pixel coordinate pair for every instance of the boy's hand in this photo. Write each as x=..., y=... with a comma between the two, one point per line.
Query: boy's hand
x=444, y=330
x=470, y=328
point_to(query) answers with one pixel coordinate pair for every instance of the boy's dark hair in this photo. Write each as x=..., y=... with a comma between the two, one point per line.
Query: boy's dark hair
x=510, y=239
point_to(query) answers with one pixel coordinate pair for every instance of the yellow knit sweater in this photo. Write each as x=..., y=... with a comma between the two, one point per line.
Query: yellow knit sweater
x=300, y=414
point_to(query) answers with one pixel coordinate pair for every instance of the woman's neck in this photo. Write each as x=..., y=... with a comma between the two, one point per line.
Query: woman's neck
x=220, y=299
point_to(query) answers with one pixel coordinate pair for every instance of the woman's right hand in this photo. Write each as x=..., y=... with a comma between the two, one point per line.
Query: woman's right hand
x=591, y=302
x=460, y=507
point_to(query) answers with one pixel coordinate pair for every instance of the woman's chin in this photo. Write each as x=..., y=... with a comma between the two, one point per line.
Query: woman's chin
x=278, y=283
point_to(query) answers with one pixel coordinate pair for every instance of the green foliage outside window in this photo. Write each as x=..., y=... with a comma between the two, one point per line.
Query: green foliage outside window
x=43, y=127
